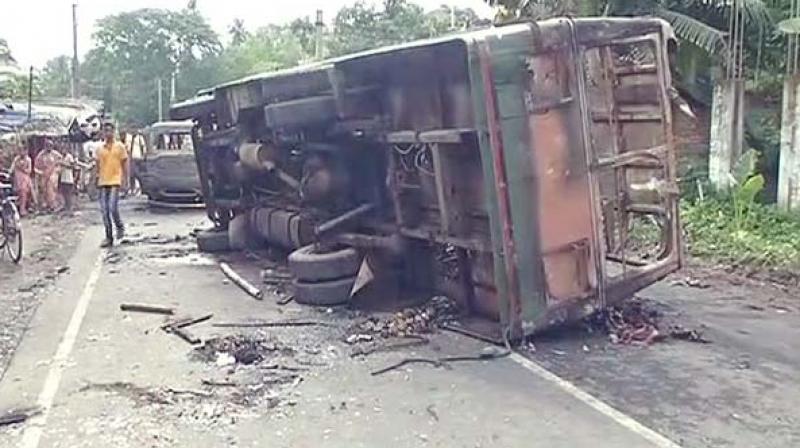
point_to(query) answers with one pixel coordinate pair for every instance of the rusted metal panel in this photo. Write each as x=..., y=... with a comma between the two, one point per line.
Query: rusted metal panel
x=513, y=148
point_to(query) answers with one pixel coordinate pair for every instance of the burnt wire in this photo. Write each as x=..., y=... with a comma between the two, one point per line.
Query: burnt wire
x=422, y=158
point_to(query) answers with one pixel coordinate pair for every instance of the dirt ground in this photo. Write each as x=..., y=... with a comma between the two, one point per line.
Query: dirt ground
x=106, y=377
x=49, y=242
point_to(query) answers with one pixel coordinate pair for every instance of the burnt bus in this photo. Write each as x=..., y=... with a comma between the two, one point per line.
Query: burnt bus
x=513, y=168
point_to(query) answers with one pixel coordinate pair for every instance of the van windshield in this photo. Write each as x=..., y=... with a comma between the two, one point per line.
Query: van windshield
x=173, y=141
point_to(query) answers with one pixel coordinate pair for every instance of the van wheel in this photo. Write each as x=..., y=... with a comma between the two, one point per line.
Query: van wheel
x=308, y=265
x=332, y=292
x=213, y=241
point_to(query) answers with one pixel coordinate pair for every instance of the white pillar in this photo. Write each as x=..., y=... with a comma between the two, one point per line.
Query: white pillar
x=727, y=131
x=789, y=162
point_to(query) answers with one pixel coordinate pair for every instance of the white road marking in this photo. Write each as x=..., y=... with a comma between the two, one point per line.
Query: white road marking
x=627, y=422
x=33, y=433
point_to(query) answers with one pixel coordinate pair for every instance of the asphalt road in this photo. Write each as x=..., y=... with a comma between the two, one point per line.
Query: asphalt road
x=103, y=377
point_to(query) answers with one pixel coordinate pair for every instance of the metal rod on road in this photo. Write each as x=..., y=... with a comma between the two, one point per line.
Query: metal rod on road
x=240, y=282
x=144, y=308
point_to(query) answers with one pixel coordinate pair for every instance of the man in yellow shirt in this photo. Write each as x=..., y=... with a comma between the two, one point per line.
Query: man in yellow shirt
x=112, y=174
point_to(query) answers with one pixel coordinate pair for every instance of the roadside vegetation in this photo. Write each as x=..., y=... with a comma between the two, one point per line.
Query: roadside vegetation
x=733, y=228
x=766, y=238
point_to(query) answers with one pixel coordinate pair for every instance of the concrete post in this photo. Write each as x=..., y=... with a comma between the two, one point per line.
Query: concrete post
x=789, y=162
x=727, y=131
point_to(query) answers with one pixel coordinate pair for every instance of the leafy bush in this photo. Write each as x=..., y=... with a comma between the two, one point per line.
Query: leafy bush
x=766, y=237
x=732, y=227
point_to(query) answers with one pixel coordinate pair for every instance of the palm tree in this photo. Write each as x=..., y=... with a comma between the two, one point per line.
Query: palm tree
x=5, y=54
x=703, y=23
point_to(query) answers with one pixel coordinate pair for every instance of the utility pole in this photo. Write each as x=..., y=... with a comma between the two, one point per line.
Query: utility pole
x=30, y=93
x=76, y=88
x=172, y=87
x=160, y=88
x=789, y=158
x=319, y=27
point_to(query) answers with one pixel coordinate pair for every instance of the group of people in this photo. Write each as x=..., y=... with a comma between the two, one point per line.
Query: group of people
x=48, y=182
x=55, y=171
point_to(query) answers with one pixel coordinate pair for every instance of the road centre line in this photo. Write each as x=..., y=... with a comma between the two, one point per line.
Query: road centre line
x=622, y=419
x=33, y=432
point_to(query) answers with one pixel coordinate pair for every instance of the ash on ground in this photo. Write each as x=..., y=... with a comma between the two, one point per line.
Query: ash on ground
x=242, y=349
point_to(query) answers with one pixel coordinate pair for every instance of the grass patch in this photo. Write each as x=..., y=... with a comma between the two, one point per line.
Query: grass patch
x=764, y=237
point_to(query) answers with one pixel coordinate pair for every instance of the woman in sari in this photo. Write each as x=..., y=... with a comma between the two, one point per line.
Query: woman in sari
x=48, y=165
x=22, y=170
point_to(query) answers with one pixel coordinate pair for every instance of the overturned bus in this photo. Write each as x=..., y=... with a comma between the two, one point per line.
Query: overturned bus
x=509, y=168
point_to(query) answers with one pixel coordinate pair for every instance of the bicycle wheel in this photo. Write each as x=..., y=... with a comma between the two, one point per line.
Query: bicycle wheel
x=12, y=231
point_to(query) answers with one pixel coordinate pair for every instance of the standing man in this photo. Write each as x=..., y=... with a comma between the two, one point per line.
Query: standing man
x=112, y=173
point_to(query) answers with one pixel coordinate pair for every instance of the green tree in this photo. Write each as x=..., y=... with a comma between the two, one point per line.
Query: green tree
x=448, y=19
x=132, y=50
x=362, y=26
x=238, y=32
x=703, y=23
x=5, y=54
x=55, y=79
x=13, y=81
x=269, y=48
x=305, y=31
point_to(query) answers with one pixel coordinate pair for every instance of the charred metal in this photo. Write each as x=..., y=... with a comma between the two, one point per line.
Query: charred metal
x=505, y=167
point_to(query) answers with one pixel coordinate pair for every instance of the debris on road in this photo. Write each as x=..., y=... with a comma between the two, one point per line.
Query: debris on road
x=386, y=346
x=241, y=282
x=212, y=383
x=144, y=396
x=196, y=393
x=244, y=349
x=145, y=308
x=274, y=324
x=487, y=354
x=685, y=334
x=285, y=300
x=186, y=335
x=178, y=328
x=636, y=324
x=15, y=416
x=432, y=412
x=186, y=322
x=690, y=282
x=411, y=321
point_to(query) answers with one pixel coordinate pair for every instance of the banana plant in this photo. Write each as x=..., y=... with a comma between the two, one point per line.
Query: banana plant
x=745, y=186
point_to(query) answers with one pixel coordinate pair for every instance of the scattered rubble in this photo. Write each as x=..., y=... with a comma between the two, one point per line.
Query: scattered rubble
x=244, y=349
x=411, y=321
x=637, y=324
x=690, y=282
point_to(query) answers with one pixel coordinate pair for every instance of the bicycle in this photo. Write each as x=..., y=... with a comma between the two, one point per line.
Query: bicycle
x=10, y=223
